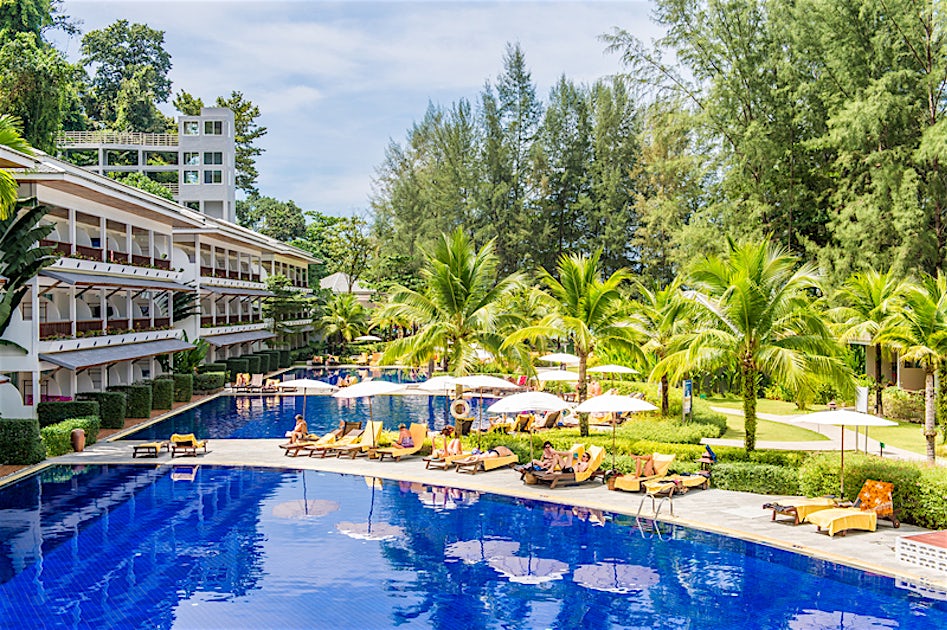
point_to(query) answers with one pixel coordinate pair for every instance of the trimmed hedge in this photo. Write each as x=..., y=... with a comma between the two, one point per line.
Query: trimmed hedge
x=701, y=412
x=184, y=387
x=264, y=362
x=20, y=442
x=667, y=431
x=138, y=404
x=218, y=366
x=162, y=393
x=253, y=363
x=236, y=366
x=112, y=407
x=285, y=358
x=56, y=437
x=274, y=359
x=901, y=404
x=758, y=478
x=209, y=382
x=52, y=412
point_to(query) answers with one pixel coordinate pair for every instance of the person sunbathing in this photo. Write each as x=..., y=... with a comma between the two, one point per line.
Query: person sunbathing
x=300, y=431
x=583, y=464
x=552, y=459
x=404, y=438
x=452, y=445
x=496, y=451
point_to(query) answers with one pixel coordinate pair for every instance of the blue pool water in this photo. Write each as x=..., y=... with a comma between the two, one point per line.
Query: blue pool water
x=272, y=416
x=144, y=546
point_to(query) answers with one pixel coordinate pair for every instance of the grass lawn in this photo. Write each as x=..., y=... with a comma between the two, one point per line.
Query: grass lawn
x=906, y=435
x=763, y=405
x=770, y=431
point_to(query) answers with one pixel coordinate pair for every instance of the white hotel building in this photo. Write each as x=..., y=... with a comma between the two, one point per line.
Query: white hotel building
x=102, y=313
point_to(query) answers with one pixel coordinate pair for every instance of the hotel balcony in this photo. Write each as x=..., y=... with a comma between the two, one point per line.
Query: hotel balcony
x=84, y=252
x=208, y=321
x=96, y=327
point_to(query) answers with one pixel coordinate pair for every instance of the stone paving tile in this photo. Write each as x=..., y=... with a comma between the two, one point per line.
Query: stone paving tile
x=737, y=514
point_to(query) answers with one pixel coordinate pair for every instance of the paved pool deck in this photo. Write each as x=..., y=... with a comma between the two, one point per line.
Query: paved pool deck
x=736, y=514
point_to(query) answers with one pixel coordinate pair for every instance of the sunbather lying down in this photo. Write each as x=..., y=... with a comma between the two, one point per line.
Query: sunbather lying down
x=496, y=451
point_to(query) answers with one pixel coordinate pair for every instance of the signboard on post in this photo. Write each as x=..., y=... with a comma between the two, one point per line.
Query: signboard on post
x=861, y=399
x=688, y=397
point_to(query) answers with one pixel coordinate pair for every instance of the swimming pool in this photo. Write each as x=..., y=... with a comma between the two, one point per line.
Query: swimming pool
x=130, y=546
x=272, y=416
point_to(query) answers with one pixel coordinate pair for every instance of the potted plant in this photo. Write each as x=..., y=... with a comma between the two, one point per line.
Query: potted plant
x=610, y=477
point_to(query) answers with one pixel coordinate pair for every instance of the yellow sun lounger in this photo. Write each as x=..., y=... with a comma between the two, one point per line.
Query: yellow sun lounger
x=835, y=520
x=292, y=450
x=313, y=448
x=418, y=433
x=555, y=478
x=799, y=509
x=445, y=461
x=632, y=483
x=368, y=441
x=496, y=457
x=682, y=483
x=186, y=443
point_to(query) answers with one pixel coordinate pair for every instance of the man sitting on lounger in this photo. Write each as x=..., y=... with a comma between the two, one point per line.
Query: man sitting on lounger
x=553, y=459
x=300, y=431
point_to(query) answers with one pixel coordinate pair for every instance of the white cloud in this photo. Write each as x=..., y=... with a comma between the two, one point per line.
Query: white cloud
x=336, y=81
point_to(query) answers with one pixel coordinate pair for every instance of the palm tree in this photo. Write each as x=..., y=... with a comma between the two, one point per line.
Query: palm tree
x=867, y=300
x=759, y=319
x=659, y=316
x=457, y=312
x=10, y=137
x=344, y=316
x=919, y=332
x=586, y=311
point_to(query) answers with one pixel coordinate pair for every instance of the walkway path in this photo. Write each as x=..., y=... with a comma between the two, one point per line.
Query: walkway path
x=853, y=441
x=736, y=514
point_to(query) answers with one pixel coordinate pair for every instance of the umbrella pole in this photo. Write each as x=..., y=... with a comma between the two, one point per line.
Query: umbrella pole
x=614, y=447
x=842, y=468
x=370, y=426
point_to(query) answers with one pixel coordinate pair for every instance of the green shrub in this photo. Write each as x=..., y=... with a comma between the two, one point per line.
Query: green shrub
x=701, y=411
x=20, y=442
x=56, y=437
x=274, y=358
x=929, y=508
x=666, y=431
x=902, y=404
x=285, y=358
x=209, y=382
x=162, y=393
x=819, y=475
x=264, y=362
x=112, y=407
x=138, y=403
x=253, y=363
x=184, y=387
x=237, y=366
x=218, y=366
x=53, y=412
x=758, y=478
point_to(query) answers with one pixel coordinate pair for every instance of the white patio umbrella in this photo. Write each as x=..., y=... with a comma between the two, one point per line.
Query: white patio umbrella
x=612, y=403
x=369, y=389
x=367, y=338
x=301, y=508
x=306, y=384
x=560, y=357
x=474, y=551
x=611, y=368
x=529, y=401
x=437, y=384
x=845, y=418
x=481, y=382
x=557, y=375
x=529, y=570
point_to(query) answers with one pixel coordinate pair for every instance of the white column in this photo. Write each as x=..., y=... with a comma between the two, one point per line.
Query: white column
x=72, y=308
x=103, y=238
x=72, y=230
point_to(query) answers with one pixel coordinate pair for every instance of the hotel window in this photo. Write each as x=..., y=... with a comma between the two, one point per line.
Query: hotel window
x=213, y=157
x=213, y=177
x=192, y=158
x=192, y=128
x=190, y=177
x=213, y=128
x=193, y=205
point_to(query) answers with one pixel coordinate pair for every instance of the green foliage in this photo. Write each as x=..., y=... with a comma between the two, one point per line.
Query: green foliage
x=264, y=362
x=143, y=182
x=758, y=478
x=186, y=362
x=20, y=442
x=219, y=366
x=51, y=412
x=130, y=57
x=184, y=387
x=345, y=318
x=246, y=133
x=138, y=399
x=903, y=405
x=57, y=437
x=209, y=382
x=20, y=258
x=253, y=363
x=111, y=407
x=235, y=366
x=285, y=358
x=282, y=220
x=667, y=431
x=187, y=104
x=162, y=393
x=184, y=304
x=34, y=83
x=701, y=412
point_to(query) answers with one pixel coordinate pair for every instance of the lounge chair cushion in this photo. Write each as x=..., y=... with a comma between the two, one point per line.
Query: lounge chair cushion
x=418, y=433
x=835, y=520
x=631, y=483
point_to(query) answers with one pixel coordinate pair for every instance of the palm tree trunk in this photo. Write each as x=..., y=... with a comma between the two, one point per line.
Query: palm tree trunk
x=583, y=389
x=930, y=428
x=749, y=405
x=878, y=386
x=665, y=404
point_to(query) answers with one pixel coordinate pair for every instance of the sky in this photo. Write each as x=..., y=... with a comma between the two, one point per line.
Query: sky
x=336, y=82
